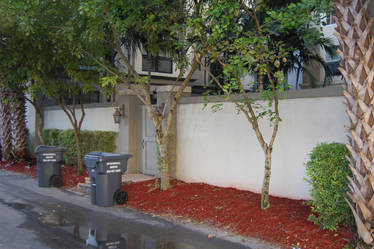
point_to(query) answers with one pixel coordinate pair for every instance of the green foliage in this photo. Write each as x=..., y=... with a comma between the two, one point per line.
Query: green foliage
x=154, y=26
x=232, y=41
x=91, y=141
x=327, y=172
x=41, y=40
x=52, y=136
x=300, y=13
x=299, y=26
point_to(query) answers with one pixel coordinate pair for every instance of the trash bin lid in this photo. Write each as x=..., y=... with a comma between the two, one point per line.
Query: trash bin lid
x=92, y=158
x=45, y=148
x=105, y=156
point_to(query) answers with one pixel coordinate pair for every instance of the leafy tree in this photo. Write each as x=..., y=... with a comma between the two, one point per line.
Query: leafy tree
x=22, y=53
x=55, y=64
x=245, y=38
x=69, y=73
x=151, y=26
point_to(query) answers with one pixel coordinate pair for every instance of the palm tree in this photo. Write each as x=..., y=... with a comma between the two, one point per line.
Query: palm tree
x=307, y=54
x=6, y=118
x=302, y=42
x=19, y=126
x=357, y=67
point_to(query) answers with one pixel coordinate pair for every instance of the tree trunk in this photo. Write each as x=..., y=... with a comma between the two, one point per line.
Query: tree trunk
x=164, y=164
x=38, y=106
x=19, y=127
x=156, y=116
x=71, y=114
x=161, y=142
x=79, y=150
x=6, y=117
x=356, y=50
x=265, y=203
x=39, y=112
x=41, y=129
x=297, y=78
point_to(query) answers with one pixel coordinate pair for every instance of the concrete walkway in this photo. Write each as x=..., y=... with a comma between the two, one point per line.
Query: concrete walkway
x=136, y=178
x=85, y=188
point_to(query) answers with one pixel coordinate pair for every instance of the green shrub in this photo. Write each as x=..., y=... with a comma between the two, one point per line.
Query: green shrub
x=91, y=141
x=327, y=172
x=51, y=136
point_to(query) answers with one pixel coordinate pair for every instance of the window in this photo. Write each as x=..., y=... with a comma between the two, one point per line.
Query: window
x=91, y=97
x=160, y=64
x=333, y=61
x=88, y=98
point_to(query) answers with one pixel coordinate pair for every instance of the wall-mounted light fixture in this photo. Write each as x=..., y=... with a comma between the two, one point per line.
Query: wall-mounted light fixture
x=118, y=113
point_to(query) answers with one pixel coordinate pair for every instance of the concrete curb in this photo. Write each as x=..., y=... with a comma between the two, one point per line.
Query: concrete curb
x=78, y=199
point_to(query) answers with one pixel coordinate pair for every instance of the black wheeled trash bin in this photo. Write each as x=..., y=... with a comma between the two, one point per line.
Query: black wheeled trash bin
x=106, y=177
x=49, y=160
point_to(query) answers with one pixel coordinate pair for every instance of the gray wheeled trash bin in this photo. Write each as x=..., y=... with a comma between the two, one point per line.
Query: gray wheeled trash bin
x=105, y=238
x=49, y=160
x=105, y=177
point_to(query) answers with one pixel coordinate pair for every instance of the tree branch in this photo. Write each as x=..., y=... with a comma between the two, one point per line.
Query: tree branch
x=61, y=103
x=180, y=91
x=102, y=64
x=122, y=55
x=251, y=118
x=73, y=109
x=82, y=111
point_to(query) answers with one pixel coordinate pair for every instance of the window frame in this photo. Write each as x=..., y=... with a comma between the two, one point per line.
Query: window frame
x=155, y=66
x=331, y=61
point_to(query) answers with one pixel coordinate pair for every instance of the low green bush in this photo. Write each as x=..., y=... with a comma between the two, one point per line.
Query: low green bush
x=91, y=141
x=327, y=172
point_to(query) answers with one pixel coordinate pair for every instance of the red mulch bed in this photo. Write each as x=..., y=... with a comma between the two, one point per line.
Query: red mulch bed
x=238, y=211
x=71, y=179
x=69, y=173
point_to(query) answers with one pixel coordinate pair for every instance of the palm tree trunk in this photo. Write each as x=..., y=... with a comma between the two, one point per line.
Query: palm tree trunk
x=6, y=117
x=19, y=127
x=357, y=67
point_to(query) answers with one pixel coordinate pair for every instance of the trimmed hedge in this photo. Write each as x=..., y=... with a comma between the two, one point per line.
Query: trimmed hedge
x=91, y=141
x=327, y=172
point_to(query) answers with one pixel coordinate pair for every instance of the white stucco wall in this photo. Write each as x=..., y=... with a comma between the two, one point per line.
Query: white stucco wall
x=221, y=148
x=97, y=118
x=30, y=120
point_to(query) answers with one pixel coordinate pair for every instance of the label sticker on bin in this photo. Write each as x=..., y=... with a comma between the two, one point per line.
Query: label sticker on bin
x=49, y=157
x=113, y=167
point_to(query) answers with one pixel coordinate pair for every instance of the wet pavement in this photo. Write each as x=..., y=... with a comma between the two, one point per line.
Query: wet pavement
x=33, y=217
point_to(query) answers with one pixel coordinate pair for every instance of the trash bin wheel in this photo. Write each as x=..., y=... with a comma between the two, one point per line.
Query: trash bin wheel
x=56, y=181
x=120, y=197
